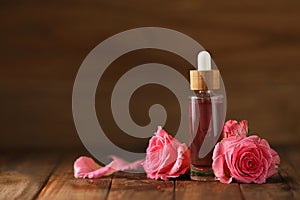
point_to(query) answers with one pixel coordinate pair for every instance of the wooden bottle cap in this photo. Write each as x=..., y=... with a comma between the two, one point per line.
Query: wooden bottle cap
x=204, y=80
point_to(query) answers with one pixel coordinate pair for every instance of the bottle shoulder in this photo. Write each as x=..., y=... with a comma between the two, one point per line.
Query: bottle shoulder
x=206, y=94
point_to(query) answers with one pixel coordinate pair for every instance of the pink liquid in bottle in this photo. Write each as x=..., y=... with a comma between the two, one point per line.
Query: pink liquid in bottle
x=203, y=115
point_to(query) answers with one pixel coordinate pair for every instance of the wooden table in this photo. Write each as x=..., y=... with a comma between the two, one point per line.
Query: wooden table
x=46, y=175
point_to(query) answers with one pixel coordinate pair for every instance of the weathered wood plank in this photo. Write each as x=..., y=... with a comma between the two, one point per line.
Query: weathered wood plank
x=206, y=190
x=289, y=170
x=292, y=154
x=266, y=191
x=137, y=186
x=63, y=185
x=23, y=176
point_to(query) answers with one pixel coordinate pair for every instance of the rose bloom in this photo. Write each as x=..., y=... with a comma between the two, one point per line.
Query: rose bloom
x=235, y=128
x=246, y=159
x=166, y=157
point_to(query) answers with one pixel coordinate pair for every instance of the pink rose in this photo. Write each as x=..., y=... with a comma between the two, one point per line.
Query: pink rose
x=166, y=157
x=248, y=159
x=235, y=128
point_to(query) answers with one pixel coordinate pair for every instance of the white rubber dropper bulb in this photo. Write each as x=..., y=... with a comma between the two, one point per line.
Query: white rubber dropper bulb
x=204, y=61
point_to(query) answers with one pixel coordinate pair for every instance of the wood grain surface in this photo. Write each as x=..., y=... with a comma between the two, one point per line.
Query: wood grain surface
x=32, y=175
x=62, y=184
x=24, y=176
x=137, y=186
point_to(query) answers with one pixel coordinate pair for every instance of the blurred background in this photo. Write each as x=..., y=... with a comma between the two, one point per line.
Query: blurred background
x=256, y=45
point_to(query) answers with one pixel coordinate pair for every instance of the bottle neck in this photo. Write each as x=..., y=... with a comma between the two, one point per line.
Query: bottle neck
x=204, y=93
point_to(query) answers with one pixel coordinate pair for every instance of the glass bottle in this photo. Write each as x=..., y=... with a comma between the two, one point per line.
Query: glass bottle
x=206, y=118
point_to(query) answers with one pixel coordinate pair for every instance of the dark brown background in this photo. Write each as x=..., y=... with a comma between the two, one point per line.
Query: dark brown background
x=255, y=44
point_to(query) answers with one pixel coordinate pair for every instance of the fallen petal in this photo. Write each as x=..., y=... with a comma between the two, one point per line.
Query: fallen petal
x=85, y=167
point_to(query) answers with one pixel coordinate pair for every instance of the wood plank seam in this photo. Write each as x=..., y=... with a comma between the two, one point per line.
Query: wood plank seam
x=109, y=186
x=174, y=187
x=289, y=177
x=242, y=195
x=59, y=160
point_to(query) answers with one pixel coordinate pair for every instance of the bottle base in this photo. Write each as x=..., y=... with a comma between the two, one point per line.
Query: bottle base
x=202, y=174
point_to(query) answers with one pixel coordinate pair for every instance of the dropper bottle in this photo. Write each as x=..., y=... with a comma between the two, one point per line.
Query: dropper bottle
x=205, y=114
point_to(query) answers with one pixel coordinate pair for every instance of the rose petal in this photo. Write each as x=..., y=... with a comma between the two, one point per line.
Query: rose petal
x=218, y=150
x=85, y=167
x=180, y=158
x=233, y=128
x=221, y=170
x=274, y=164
